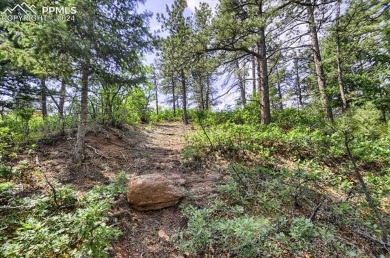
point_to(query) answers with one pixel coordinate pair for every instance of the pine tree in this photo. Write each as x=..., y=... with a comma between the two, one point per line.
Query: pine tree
x=175, y=49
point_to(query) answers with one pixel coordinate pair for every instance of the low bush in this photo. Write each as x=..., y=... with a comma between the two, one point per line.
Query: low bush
x=268, y=213
x=59, y=224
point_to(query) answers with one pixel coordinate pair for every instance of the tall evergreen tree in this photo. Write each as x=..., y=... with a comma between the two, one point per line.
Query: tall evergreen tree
x=175, y=48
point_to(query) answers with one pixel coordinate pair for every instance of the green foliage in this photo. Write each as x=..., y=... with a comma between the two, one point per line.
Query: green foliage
x=369, y=136
x=302, y=229
x=303, y=138
x=243, y=234
x=129, y=107
x=289, y=197
x=290, y=117
x=71, y=227
x=198, y=232
x=255, y=216
x=166, y=115
x=7, y=190
x=6, y=172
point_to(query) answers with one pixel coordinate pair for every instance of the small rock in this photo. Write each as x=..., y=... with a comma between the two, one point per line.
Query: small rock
x=152, y=192
x=161, y=233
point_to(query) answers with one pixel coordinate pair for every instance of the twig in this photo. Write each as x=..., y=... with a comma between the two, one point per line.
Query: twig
x=315, y=211
x=14, y=207
x=124, y=157
x=367, y=236
x=204, y=131
x=97, y=153
x=52, y=189
x=241, y=181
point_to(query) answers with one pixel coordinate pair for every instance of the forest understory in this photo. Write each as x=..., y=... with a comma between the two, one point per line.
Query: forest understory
x=264, y=125
x=221, y=184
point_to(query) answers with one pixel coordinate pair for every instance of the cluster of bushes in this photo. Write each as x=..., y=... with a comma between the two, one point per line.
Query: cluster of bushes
x=296, y=208
x=369, y=137
x=272, y=213
x=59, y=223
x=25, y=126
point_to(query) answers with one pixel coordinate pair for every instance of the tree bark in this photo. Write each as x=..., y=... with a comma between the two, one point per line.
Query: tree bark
x=156, y=92
x=265, y=114
x=43, y=98
x=298, y=83
x=243, y=94
x=263, y=80
x=62, y=99
x=253, y=75
x=184, y=89
x=318, y=66
x=201, y=91
x=173, y=96
x=241, y=84
x=208, y=93
x=82, y=127
x=279, y=90
x=340, y=78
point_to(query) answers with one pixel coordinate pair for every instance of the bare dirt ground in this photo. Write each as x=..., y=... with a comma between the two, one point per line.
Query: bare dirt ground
x=135, y=150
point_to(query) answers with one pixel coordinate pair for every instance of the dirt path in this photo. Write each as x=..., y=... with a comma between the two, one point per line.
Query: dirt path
x=137, y=151
x=150, y=234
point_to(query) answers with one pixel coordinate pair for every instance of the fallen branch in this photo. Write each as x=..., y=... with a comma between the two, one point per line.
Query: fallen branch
x=367, y=236
x=124, y=157
x=14, y=207
x=97, y=152
x=315, y=211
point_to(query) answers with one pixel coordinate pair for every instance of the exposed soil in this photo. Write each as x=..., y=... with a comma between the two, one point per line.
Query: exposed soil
x=135, y=150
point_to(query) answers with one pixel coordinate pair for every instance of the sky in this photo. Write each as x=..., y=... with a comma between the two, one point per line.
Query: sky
x=157, y=6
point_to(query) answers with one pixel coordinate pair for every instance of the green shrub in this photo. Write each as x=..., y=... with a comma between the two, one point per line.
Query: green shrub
x=265, y=213
x=7, y=190
x=67, y=227
x=198, y=235
x=6, y=172
x=302, y=229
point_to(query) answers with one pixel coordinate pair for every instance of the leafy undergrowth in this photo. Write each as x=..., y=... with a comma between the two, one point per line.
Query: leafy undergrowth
x=58, y=224
x=293, y=190
x=277, y=213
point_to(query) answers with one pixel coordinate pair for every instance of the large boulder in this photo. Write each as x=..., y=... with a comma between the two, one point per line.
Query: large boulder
x=152, y=192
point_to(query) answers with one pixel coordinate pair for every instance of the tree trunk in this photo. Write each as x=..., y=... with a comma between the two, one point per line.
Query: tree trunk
x=82, y=127
x=253, y=75
x=384, y=115
x=243, y=94
x=62, y=99
x=156, y=92
x=279, y=90
x=263, y=80
x=201, y=91
x=208, y=93
x=173, y=96
x=43, y=98
x=94, y=110
x=318, y=65
x=298, y=83
x=241, y=83
x=184, y=89
x=340, y=78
